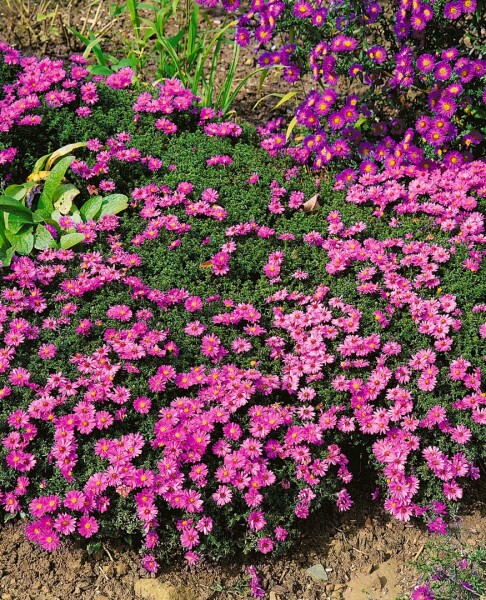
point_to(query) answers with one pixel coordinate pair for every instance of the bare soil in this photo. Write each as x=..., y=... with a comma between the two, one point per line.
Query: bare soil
x=362, y=550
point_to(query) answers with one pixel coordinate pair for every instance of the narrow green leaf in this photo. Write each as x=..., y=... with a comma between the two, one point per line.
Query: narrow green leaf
x=290, y=128
x=288, y=96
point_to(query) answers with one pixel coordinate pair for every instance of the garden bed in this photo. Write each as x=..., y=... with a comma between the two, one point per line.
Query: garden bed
x=206, y=330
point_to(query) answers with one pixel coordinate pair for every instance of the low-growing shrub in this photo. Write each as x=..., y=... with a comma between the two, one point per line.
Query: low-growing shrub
x=212, y=357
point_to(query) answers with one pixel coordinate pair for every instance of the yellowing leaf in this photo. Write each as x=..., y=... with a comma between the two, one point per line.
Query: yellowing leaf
x=62, y=152
x=66, y=193
x=290, y=128
x=40, y=176
x=288, y=96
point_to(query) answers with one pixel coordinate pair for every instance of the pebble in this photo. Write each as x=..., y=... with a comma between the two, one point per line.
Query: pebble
x=317, y=572
x=153, y=589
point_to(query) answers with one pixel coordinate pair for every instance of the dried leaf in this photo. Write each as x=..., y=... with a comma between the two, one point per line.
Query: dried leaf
x=206, y=265
x=312, y=204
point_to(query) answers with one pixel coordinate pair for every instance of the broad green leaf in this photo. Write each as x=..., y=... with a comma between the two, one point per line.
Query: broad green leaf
x=41, y=215
x=16, y=222
x=4, y=243
x=100, y=70
x=114, y=204
x=53, y=182
x=43, y=239
x=6, y=256
x=22, y=243
x=71, y=239
x=76, y=216
x=10, y=205
x=40, y=164
x=18, y=192
x=63, y=198
x=91, y=208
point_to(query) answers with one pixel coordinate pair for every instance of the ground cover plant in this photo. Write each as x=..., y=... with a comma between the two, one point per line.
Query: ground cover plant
x=450, y=570
x=215, y=355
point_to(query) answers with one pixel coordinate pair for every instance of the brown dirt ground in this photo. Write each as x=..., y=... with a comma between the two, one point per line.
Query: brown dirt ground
x=362, y=549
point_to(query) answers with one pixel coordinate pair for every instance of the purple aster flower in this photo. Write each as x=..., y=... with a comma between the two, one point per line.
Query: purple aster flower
x=443, y=71
x=377, y=54
x=418, y=21
x=452, y=10
x=319, y=17
x=449, y=54
x=446, y=106
x=468, y=6
x=302, y=9
x=425, y=63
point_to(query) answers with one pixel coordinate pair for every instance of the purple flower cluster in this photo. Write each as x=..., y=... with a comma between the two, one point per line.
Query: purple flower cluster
x=398, y=79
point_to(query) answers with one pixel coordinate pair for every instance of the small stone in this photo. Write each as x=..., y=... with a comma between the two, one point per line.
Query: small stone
x=101, y=597
x=152, y=589
x=273, y=596
x=317, y=572
x=6, y=596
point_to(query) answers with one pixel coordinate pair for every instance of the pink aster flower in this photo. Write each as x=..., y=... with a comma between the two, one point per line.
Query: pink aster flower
x=87, y=526
x=193, y=304
x=65, y=523
x=119, y=312
x=49, y=540
x=265, y=545
x=19, y=377
x=222, y=495
x=190, y=538
x=149, y=563
x=47, y=351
